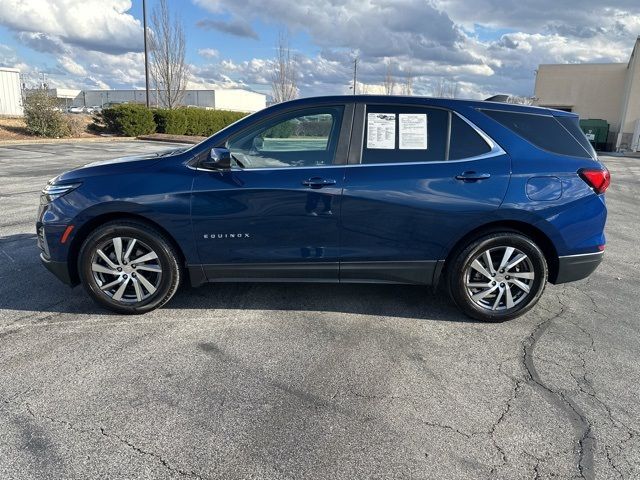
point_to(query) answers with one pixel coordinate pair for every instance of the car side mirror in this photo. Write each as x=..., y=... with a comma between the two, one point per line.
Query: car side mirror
x=219, y=159
x=258, y=143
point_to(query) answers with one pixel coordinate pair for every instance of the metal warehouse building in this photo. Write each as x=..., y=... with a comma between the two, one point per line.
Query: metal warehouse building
x=607, y=91
x=10, y=95
x=235, y=99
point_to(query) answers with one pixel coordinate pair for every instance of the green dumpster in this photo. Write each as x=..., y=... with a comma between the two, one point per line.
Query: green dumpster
x=597, y=131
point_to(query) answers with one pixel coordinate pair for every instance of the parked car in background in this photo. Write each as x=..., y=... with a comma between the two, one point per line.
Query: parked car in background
x=76, y=110
x=488, y=200
x=92, y=109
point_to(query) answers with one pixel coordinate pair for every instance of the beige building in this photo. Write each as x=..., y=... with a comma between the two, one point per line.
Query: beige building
x=608, y=91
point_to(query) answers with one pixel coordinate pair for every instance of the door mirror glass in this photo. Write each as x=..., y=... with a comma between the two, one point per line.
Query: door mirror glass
x=219, y=159
x=258, y=143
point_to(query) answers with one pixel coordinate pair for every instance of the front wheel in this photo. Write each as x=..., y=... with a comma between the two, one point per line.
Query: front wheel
x=498, y=277
x=129, y=267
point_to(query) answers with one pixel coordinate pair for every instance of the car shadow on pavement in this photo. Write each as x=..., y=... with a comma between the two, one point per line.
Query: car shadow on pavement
x=406, y=301
x=26, y=285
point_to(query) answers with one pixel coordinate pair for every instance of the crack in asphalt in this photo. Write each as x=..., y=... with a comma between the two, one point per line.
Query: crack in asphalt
x=586, y=439
x=161, y=460
x=500, y=419
x=114, y=436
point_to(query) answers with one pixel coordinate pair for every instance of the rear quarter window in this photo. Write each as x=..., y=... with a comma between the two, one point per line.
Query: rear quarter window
x=465, y=141
x=544, y=131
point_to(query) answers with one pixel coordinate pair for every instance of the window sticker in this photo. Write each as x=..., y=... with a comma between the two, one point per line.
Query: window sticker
x=381, y=130
x=413, y=131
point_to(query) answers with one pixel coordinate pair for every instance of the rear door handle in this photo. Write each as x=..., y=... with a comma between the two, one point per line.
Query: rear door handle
x=318, y=182
x=472, y=176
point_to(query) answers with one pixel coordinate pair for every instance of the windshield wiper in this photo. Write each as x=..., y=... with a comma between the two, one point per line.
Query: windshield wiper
x=171, y=152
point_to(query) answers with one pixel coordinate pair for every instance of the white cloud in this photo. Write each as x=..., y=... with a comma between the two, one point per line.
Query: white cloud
x=71, y=66
x=438, y=39
x=98, y=42
x=208, y=52
x=101, y=25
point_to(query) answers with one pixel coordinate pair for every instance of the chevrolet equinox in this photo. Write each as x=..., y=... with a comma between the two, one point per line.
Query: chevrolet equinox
x=488, y=200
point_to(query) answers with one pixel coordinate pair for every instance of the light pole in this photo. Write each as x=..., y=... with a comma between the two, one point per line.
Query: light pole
x=355, y=74
x=146, y=51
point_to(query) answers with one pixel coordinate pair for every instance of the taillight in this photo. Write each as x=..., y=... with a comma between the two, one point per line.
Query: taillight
x=596, y=178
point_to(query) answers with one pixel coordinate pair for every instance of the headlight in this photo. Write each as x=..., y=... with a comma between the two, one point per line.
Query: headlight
x=51, y=192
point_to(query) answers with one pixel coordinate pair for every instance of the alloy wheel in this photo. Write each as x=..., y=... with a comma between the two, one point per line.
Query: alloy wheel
x=126, y=269
x=499, y=278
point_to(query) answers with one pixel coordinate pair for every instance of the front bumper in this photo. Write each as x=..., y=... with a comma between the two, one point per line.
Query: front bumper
x=59, y=269
x=577, y=267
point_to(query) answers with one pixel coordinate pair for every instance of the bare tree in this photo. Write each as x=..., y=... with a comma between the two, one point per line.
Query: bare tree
x=168, y=67
x=389, y=82
x=407, y=88
x=446, y=88
x=519, y=100
x=453, y=89
x=284, y=79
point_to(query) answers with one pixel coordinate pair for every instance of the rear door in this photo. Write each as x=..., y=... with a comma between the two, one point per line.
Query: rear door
x=417, y=178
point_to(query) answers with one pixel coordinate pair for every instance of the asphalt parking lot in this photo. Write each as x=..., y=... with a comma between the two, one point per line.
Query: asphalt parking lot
x=312, y=381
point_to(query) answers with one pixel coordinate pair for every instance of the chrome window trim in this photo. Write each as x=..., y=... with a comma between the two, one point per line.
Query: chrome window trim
x=496, y=150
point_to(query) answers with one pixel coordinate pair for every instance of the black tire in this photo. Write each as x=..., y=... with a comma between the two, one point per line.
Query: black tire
x=460, y=274
x=165, y=275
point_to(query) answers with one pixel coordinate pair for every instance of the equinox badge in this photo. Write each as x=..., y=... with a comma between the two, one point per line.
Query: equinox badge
x=214, y=236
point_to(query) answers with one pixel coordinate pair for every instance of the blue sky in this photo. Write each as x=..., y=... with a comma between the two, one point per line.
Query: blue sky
x=483, y=47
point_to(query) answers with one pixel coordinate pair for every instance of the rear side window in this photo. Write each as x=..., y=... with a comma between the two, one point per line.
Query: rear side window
x=572, y=124
x=465, y=141
x=398, y=134
x=544, y=131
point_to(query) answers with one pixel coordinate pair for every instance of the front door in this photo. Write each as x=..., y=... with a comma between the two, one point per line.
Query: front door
x=275, y=214
x=425, y=176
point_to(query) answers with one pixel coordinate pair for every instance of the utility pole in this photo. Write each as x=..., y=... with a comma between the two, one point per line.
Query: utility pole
x=146, y=51
x=355, y=74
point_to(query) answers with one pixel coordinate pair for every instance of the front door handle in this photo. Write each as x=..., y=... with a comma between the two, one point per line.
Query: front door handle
x=318, y=182
x=472, y=176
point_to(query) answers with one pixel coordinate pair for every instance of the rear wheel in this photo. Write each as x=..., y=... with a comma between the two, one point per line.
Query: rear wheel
x=498, y=277
x=129, y=267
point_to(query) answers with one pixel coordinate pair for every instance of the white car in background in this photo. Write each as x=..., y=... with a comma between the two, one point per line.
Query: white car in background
x=76, y=109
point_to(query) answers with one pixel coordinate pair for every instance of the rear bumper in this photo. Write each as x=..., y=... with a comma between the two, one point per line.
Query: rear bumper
x=59, y=269
x=577, y=267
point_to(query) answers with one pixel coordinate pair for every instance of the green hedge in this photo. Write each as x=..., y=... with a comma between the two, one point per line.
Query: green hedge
x=171, y=121
x=194, y=121
x=133, y=120
x=128, y=119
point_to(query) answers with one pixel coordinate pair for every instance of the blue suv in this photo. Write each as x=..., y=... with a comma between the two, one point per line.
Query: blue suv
x=488, y=200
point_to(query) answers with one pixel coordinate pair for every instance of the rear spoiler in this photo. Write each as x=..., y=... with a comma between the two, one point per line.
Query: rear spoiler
x=498, y=98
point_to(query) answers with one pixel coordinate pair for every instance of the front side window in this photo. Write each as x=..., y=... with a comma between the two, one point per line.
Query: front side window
x=304, y=138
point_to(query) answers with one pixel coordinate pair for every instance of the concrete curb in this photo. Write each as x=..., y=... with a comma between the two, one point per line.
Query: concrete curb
x=163, y=137
x=97, y=139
